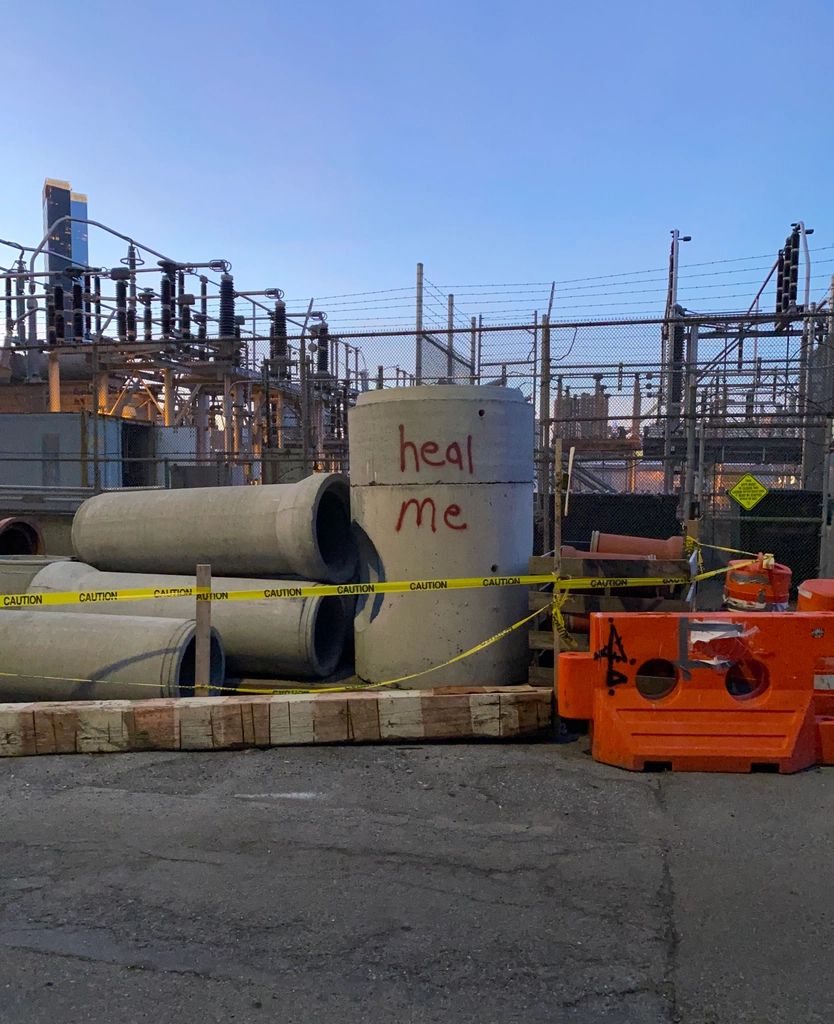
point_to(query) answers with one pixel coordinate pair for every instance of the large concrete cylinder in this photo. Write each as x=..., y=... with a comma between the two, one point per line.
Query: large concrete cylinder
x=99, y=657
x=301, y=637
x=300, y=529
x=442, y=486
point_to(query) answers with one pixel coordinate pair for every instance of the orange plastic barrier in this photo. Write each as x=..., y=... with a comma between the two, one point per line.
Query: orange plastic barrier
x=815, y=596
x=756, y=587
x=621, y=543
x=707, y=691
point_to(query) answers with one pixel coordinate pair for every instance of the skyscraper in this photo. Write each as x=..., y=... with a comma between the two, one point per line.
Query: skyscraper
x=67, y=242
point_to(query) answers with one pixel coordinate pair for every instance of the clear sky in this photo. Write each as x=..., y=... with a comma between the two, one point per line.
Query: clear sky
x=325, y=147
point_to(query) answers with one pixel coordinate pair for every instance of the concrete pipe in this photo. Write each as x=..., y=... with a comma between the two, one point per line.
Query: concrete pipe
x=442, y=486
x=300, y=529
x=20, y=537
x=99, y=657
x=301, y=638
x=18, y=571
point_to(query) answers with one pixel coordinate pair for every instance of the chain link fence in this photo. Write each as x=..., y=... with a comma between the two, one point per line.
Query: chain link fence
x=658, y=419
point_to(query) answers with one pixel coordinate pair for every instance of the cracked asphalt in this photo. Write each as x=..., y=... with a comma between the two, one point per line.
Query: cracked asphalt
x=454, y=883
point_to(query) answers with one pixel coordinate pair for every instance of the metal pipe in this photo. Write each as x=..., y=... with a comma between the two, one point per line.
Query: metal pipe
x=54, y=371
x=228, y=422
x=168, y=397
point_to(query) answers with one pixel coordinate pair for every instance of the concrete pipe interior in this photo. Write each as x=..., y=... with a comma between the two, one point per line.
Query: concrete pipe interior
x=332, y=529
x=186, y=670
x=20, y=537
x=329, y=634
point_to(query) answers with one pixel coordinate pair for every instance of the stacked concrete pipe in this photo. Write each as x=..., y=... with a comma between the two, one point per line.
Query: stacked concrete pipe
x=300, y=529
x=96, y=657
x=155, y=539
x=293, y=637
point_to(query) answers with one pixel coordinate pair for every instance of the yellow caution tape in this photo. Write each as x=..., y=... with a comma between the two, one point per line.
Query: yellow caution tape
x=202, y=593
x=341, y=590
x=566, y=639
x=318, y=689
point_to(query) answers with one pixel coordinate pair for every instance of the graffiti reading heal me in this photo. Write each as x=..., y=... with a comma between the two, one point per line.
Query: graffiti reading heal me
x=431, y=453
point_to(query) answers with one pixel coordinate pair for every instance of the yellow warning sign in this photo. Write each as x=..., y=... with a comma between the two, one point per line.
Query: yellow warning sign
x=748, y=492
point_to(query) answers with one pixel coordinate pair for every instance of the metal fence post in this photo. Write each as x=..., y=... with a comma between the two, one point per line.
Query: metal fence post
x=544, y=433
x=473, y=348
x=691, y=409
x=418, y=328
x=450, y=339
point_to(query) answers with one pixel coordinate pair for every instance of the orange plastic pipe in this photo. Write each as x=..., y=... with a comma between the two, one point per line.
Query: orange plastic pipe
x=617, y=543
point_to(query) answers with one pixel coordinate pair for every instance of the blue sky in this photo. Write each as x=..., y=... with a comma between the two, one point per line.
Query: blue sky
x=326, y=147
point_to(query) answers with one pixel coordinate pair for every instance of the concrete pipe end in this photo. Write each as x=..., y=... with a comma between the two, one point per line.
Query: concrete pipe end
x=321, y=506
x=331, y=622
x=21, y=537
x=185, y=672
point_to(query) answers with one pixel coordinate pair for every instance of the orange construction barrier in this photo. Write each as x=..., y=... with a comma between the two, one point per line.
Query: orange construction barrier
x=763, y=586
x=815, y=596
x=706, y=691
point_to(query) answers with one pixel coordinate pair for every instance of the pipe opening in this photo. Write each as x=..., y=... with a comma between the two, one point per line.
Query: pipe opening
x=333, y=533
x=186, y=674
x=329, y=634
x=20, y=537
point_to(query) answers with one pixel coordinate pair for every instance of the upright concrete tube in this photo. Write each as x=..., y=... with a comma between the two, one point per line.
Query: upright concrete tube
x=300, y=529
x=442, y=486
x=99, y=657
x=299, y=638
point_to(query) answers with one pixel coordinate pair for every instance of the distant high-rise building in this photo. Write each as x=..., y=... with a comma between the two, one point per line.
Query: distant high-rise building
x=67, y=242
x=80, y=250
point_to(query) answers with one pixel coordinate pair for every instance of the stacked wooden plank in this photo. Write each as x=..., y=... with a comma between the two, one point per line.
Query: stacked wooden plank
x=600, y=599
x=231, y=723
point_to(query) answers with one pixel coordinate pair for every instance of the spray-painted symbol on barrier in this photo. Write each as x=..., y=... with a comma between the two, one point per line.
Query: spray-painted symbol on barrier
x=614, y=654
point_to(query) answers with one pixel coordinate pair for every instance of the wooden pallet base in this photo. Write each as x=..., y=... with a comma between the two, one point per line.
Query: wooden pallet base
x=233, y=723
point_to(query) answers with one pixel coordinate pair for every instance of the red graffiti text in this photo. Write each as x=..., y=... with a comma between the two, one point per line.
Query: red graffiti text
x=450, y=515
x=428, y=453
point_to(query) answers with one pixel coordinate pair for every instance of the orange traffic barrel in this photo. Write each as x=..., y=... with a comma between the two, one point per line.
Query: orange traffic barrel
x=760, y=586
x=616, y=543
x=816, y=596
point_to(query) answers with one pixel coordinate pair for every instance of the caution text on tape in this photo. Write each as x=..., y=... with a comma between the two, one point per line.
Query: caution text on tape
x=336, y=590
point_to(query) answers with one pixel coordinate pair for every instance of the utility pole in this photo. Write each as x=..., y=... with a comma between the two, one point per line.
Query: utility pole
x=667, y=358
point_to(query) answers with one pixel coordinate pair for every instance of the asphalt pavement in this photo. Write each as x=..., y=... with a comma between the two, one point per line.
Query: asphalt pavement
x=479, y=883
